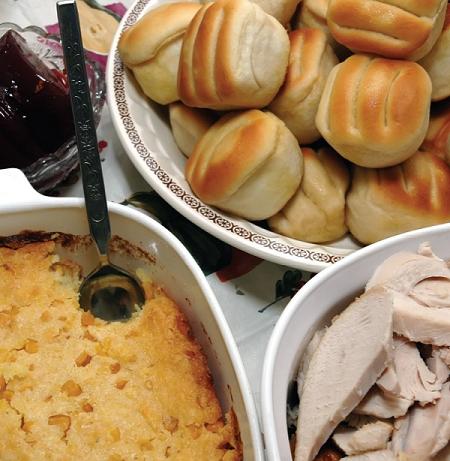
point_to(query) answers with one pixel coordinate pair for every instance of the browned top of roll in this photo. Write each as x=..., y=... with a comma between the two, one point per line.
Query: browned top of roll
x=392, y=28
x=234, y=55
x=374, y=100
x=418, y=186
x=305, y=56
x=230, y=151
x=143, y=40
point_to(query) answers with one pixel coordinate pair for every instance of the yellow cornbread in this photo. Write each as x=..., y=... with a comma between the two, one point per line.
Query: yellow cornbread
x=73, y=387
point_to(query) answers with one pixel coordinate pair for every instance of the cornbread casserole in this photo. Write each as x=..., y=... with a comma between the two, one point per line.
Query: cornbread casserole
x=76, y=387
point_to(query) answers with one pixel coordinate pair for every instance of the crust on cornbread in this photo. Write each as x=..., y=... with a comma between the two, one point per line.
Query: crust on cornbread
x=76, y=387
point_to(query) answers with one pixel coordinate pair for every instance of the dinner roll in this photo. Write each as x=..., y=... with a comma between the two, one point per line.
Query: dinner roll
x=310, y=62
x=437, y=63
x=437, y=139
x=404, y=29
x=313, y=13
x=392, y=200
x=247, y=163
x=316, y=212
x=375, y=111
x=188, y=125
x=282, y=10
x=151, y=49
x=234, y=56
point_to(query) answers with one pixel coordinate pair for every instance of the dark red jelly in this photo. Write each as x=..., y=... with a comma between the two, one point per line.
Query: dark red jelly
x=35, y=113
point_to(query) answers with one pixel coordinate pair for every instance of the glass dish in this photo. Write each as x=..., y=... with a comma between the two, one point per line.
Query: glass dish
x=48, y=171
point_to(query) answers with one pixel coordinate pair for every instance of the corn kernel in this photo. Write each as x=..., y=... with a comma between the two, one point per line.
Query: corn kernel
x=170, y=423
x=2, y=383
x=45, y=316
x=7, y=395
x=87, y=407
x=115, y=434
x=31, y=346
x=87, y=319
x=63, y=421
x=115, y=368
x=83, y=359
x=71, y=388
x=26, y=426
x=121, y=383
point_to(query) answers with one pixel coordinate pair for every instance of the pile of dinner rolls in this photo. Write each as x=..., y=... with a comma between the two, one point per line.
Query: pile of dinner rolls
x=321, y=117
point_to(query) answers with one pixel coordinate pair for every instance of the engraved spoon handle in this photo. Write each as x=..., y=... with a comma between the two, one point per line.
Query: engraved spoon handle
x=91, y=169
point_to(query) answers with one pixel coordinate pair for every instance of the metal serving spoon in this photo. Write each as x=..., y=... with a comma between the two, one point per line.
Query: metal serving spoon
x=109, y=292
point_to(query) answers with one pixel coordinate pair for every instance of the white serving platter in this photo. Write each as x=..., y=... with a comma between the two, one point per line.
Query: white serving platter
x=144, y=131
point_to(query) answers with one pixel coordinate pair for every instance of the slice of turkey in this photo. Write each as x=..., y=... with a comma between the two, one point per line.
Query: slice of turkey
x=432, y=292
x=437, y=363
x=404, y=270
x=377, y=403
x=408, y=376
x=428, y=325
x=424, y=431
x=350, y=357
x=306, y=358
x=372, y=436
x=379, y=455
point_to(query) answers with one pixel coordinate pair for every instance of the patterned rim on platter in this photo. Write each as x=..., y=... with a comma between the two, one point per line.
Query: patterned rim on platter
x=118, y=82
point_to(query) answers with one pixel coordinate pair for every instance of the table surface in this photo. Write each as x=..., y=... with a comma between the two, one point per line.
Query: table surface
x=242, y=297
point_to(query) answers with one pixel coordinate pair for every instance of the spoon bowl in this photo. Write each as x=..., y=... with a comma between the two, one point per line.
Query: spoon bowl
x=111, y=292
x=108, y=292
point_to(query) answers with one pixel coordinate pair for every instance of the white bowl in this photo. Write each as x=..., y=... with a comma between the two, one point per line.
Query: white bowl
x=145, y=134
x=312, y=308
x=171, y=266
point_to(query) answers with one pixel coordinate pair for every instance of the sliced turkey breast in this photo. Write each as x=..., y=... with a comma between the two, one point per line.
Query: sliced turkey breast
x=404, y=270
x=443, y=455
x=437, y=364
x=372, y=436
x=424, y=431
x=306, y=358
x=419, y=324
x=358, y=421
x=444, y=354
x=377, y=403
x=432, y=292
x=352, y=354
x=379, y=455
x=407, y=376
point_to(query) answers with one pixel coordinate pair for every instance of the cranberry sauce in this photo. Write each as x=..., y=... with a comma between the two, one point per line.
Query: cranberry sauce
x=35, y=113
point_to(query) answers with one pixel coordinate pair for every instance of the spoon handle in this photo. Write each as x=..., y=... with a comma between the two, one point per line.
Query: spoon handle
x=86, y=137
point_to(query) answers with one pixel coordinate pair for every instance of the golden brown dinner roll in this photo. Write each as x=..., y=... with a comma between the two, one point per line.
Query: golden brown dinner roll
x=405, y=29
x=151, y=49
x=234, y=56
x=282, y=10
x=248, y=163
x=437, y=139
x=188, y=125
x=375, y=111
x=316, y=212
x=437, y=63
x=313, y=13
x=392, y=200
x=310, y=62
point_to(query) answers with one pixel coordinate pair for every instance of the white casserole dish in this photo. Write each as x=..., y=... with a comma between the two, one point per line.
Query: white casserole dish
x=312, y=308
x=22, y=208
